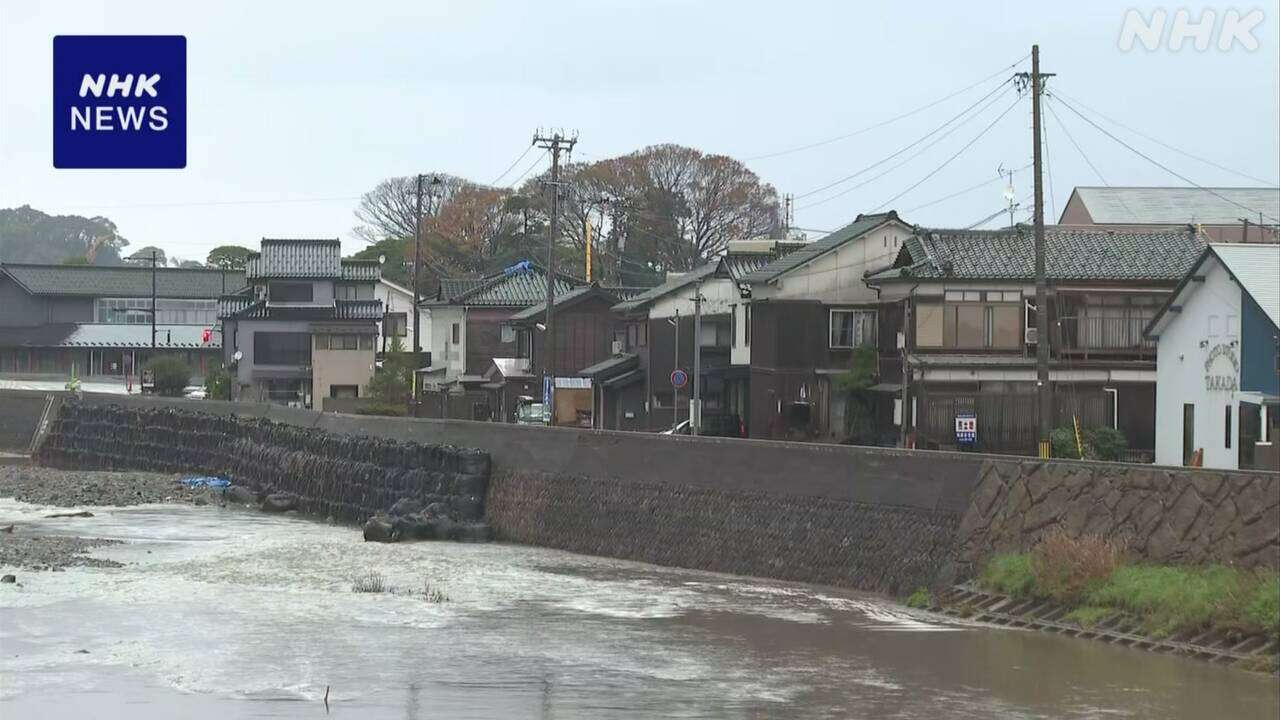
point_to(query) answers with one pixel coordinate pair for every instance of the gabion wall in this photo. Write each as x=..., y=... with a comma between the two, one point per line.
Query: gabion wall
x=348, y=478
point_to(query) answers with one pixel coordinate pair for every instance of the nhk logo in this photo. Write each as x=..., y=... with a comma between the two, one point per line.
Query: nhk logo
x=120, y=101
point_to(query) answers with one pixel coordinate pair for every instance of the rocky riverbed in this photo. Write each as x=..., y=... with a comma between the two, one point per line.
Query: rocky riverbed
x=75, y=488
x=71, y=488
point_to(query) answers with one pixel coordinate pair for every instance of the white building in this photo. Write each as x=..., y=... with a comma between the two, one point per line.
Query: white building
x=397, y=302
x=1217, y=366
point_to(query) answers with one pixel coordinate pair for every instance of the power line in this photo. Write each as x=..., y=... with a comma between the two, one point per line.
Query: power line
x=882, y=123
x=906, y=160
x=1165, y=145
x=529, y=169
x=512, y=165
x=907, y=147
x=1160, y=165
x=1075, y=144
x=957, y=154
x=958, y=193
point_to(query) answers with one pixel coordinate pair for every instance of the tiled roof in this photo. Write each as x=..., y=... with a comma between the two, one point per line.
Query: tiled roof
x=296, y=258
x=673, y=283
x=1179, y=205
x=1070, y=254
x=370, y=270
x=94, y=335
x=611, y=366
x=521, y=285
x=737, y=266
x=535, y=311
x=245, y=306
x=860, y=226
x=357, y=309
x=451, y=288
x=123, y=281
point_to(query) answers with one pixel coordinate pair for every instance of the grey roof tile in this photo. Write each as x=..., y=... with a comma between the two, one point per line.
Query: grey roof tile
x=296, y=258
x=1070, y=254
x=672, y=284
x=123, y=280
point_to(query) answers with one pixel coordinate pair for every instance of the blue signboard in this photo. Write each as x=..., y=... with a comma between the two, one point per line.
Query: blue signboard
x=119, y=101
x=966, y=428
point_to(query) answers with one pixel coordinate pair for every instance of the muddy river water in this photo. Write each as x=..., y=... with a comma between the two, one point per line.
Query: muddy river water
x=232, y=614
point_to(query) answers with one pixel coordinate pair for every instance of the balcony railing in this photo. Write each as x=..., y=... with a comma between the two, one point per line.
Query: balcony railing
x=1086, y=335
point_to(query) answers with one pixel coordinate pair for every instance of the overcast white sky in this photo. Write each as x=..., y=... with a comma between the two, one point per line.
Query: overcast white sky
x=295, y=109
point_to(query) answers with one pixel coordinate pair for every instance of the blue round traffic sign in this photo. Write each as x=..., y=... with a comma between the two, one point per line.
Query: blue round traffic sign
x=679, y=378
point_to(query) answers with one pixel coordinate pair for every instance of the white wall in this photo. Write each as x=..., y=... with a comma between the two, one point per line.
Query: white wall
x=837, y=277
x=399, y=300
x=437, y=338
x=1210, y=319
x=718, y=294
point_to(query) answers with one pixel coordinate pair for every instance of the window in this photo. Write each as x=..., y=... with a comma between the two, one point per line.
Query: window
x=1188, y=432
x=289, y=292
x=1227, y=419
x=137, y=311
x=344, y=342
x=344, y=391
x=281, y=348
x=395, y=324
x=853, y=328
x=322, y=342
x=972, y=319
x=457, y=333
x=344, y=292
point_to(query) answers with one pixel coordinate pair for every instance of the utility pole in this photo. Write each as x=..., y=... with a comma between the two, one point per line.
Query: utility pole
x=695, y=402
x=587, y=234
x=787, y=215
x=556, y=142
x=1044, y=393
x=417, y=265
x=675, y=391
x=153, y=303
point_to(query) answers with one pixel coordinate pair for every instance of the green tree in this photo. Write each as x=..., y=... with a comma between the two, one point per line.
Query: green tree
x=171, y=374
x=143, y=256
x=28, y=235
x=228, y=257
x=217, y=384
x=77, y=260
x=855, y=383
x=393, y=382
x=392, y=252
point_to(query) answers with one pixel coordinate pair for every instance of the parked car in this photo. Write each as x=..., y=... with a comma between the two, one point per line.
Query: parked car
x=531, y=413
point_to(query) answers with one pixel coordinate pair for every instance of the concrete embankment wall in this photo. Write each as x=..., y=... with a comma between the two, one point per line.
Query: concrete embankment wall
x=875, y=519
x=1162, y=515
x=20, y=413
x=344, y=477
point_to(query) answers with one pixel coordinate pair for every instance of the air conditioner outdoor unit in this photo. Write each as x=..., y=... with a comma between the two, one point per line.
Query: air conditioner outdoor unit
x=1033, y=335
x=617, y=347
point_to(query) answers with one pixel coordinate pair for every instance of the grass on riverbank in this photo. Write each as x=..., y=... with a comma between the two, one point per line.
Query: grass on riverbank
x=1165, y=599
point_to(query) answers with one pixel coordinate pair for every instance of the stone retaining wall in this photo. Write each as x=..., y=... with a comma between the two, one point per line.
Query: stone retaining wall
x=344, y=477
x=1164, y=515
x=790, y=537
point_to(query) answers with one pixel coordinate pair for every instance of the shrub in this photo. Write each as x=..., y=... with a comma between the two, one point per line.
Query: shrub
x=919, y=599
x=1009, y=574
x=1088, y=615
x=171, y=374
x=1065, y=566
x=217, y=384
x=1100, y=443
x=1262, y=606
x=433, y=594
x=381, y=408
x=370, y=582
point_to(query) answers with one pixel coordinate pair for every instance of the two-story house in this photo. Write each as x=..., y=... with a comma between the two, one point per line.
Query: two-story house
x=398, y=317
x=968, y=328
x=306, y=327
x=97, y=320
x=469, y=328
x=1218, y=362
x=799, y=321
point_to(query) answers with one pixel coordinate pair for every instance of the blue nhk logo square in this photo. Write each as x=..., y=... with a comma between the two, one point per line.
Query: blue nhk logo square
x=119, y=101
